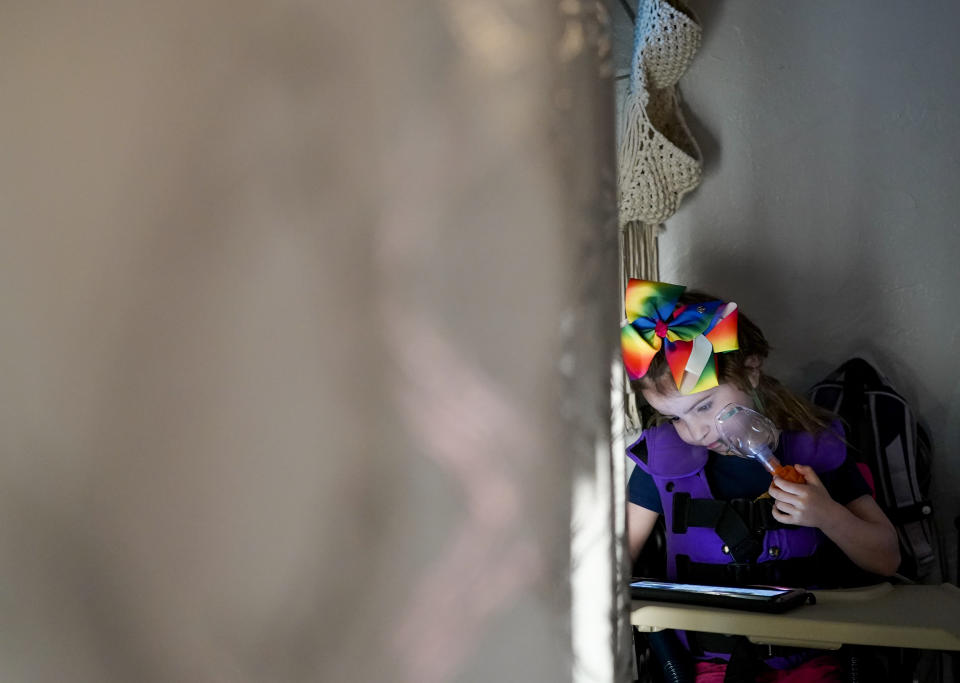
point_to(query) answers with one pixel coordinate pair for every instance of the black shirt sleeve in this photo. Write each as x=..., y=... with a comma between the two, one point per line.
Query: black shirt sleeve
x=845, y=483
x=643, y=492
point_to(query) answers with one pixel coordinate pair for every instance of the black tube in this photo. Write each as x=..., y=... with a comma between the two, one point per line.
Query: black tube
x=674, y=658
x=853, y=668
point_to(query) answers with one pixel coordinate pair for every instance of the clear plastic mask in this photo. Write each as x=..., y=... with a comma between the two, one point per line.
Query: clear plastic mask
x=748, y=434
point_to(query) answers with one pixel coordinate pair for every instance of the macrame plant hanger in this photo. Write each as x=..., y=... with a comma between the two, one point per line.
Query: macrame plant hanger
x=658, y=160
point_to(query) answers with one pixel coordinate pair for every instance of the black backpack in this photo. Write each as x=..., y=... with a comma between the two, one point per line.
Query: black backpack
x=883, y=432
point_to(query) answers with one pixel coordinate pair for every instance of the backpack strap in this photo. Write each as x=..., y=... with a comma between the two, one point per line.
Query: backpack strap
x=857, y=376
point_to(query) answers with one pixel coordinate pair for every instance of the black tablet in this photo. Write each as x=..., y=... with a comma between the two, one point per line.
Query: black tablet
x=754, y=598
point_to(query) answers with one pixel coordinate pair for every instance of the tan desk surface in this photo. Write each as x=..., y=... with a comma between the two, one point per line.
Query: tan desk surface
x=922, y=617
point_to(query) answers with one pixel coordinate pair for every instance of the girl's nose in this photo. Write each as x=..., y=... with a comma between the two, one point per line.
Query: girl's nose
x=704, y=430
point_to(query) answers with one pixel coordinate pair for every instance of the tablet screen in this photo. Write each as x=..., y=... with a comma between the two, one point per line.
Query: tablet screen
x=731, y=591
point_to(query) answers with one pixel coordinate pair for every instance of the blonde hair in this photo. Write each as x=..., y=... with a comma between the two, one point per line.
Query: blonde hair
x=788, y=410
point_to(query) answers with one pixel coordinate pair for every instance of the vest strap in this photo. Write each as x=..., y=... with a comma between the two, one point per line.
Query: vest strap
x=704, y=512
x=798, y=571
x=742, y=544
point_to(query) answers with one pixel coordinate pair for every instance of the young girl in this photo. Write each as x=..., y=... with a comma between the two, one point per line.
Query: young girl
x=727, y=522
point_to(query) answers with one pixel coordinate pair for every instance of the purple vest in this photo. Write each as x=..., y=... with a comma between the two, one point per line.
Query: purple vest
x=678, y=468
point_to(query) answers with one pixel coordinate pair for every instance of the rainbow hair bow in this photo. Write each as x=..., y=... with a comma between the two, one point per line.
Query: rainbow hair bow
x=689, y=334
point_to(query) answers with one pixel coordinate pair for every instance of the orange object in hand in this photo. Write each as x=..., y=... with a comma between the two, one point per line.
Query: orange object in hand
x=790, y=474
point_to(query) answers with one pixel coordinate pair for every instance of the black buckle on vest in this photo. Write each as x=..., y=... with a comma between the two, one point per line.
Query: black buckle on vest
x=746, y=550
x=743, y=544
x=740, y=573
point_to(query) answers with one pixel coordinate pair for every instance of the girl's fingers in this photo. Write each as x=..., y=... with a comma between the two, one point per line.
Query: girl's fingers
x=782, y=516
x=808, y=473
x=788, y=486
x=785, y=508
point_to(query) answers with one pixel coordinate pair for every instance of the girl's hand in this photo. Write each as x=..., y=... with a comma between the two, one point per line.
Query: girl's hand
x=806, y=504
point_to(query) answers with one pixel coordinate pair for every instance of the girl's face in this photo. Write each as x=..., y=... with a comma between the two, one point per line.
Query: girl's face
x=694, y=415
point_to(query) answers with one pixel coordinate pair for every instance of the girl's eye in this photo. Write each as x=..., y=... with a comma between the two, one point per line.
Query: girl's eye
x=704, y=407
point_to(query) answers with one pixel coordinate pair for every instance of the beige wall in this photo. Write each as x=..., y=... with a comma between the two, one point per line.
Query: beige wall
x=828, y=206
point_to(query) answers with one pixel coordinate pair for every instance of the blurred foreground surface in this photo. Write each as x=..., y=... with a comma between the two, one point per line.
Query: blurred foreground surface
x=293, y=300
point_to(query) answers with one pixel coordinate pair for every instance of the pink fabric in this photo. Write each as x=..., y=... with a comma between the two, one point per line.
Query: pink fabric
x=823, y=669
x=868, y=475
x=708, y=672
